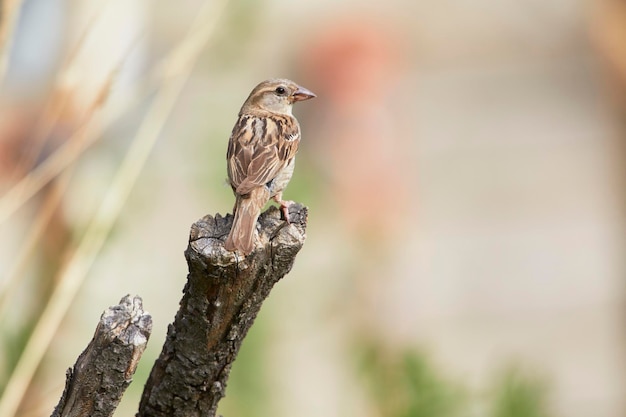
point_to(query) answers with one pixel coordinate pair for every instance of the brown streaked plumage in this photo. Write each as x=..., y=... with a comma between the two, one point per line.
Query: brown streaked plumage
x=261, y=155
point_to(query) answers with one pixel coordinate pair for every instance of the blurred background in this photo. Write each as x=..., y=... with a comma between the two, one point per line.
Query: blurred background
x=463, y=164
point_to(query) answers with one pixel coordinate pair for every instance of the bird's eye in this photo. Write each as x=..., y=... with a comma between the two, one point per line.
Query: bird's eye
x=280, y=91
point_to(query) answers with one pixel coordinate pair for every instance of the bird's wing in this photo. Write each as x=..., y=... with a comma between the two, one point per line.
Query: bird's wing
x=259, y=148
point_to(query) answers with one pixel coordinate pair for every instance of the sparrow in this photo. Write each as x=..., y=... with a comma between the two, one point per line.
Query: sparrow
x=261, y=156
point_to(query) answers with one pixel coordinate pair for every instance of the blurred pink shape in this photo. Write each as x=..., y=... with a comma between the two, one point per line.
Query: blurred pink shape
x=356, y=68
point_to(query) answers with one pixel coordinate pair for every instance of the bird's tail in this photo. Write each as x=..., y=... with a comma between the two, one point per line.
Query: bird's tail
x=247, y=211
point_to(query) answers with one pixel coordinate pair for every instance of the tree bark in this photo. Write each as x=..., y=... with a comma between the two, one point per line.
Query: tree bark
x=96, y=383
x=223, y=295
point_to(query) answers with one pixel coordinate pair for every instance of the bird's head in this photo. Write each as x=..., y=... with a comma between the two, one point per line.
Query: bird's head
x=275, y=96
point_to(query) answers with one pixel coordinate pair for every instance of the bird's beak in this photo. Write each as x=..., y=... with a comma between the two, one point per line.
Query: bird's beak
x=302, y=94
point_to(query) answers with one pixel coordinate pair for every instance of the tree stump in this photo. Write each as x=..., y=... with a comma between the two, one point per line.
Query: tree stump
x=96, y=383
x=221, y=299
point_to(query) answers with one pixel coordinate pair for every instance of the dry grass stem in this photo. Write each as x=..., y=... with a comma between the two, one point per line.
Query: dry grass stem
x=85, y=136
x=58, y=102
x=73, y=273
x=37, y=227
x=10, y=17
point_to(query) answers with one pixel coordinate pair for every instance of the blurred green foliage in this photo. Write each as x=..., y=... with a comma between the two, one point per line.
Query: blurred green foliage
x=407, y=384
x=519, y=395
x=11, y=347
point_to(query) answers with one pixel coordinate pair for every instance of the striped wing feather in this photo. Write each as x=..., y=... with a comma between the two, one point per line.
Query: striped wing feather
x=259, y=149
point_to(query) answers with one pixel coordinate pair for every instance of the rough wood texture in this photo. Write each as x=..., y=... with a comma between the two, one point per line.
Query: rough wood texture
x=223, y=295
x=94, y=386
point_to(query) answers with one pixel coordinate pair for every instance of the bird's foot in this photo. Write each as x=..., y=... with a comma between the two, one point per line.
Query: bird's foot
x=284, y=208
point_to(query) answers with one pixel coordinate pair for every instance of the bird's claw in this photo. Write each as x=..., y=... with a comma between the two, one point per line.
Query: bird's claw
x=284, y=208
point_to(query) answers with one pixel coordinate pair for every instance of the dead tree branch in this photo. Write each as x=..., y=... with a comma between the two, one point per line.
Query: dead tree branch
x=94, y=386
x=223, y=295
